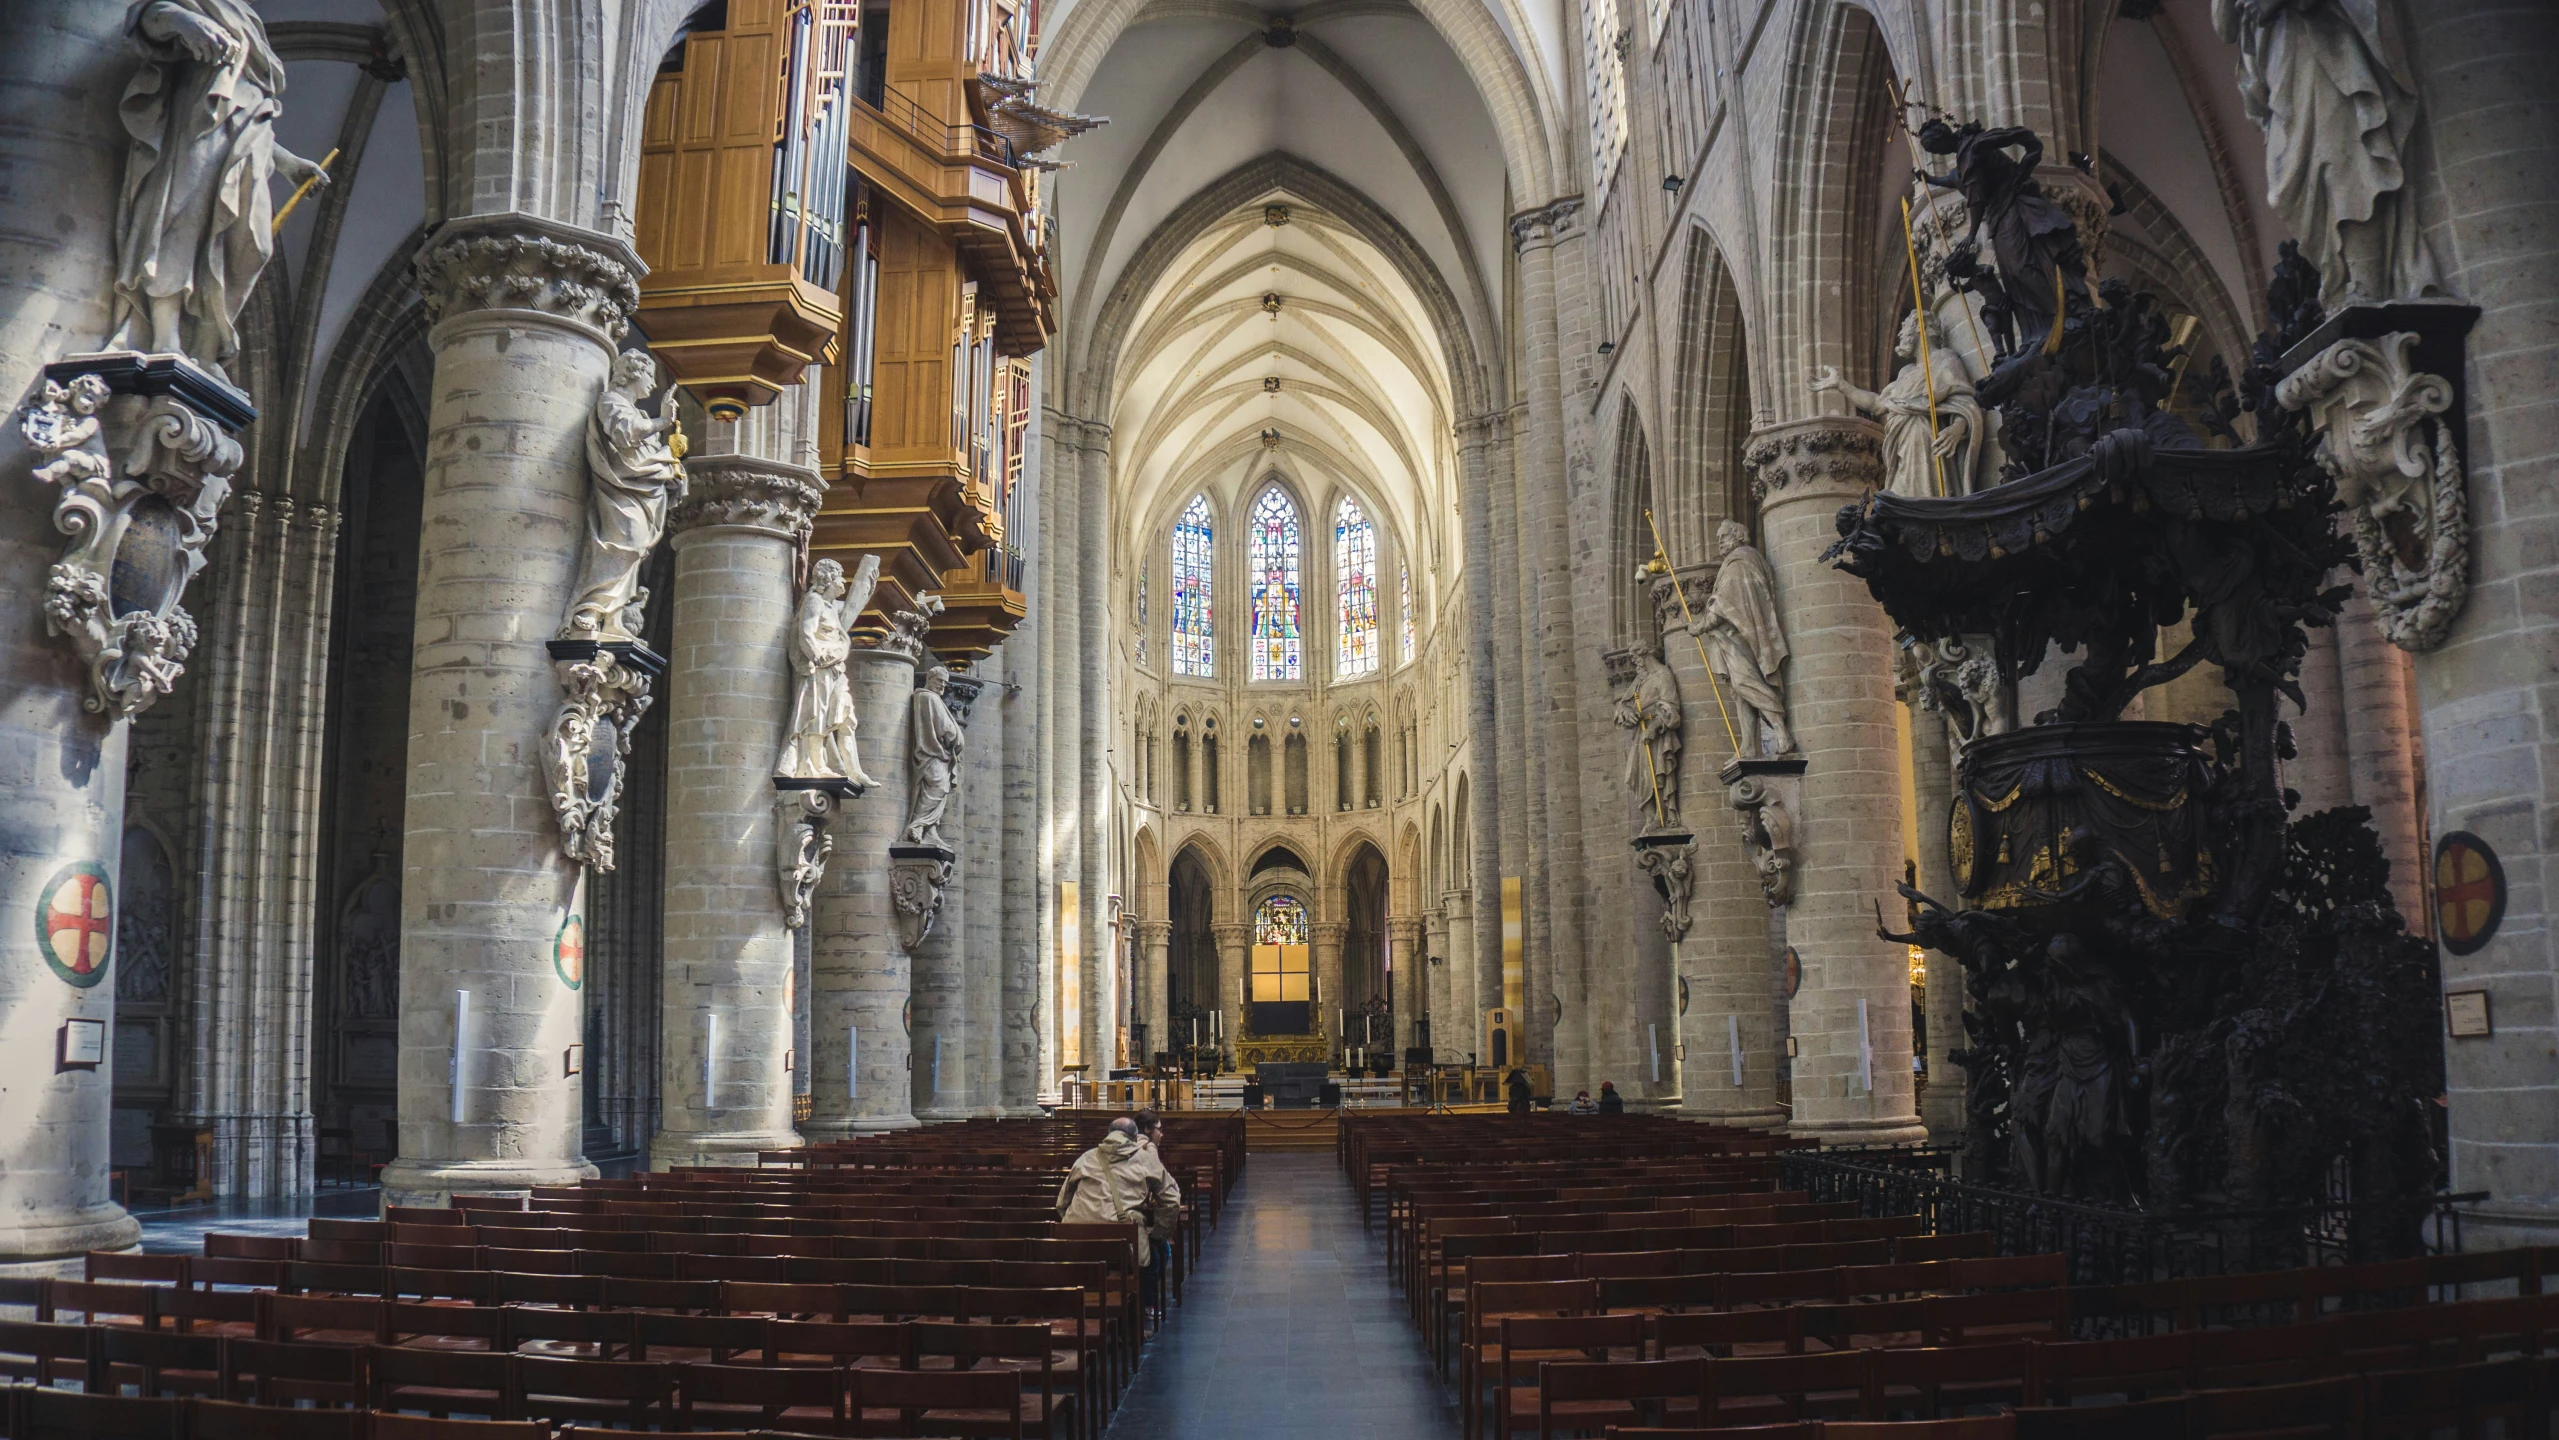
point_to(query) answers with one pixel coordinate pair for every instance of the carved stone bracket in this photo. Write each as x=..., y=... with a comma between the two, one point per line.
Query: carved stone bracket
x=1671, y=861
x=1959, y=681
x=604, y=691
x=2389, y=432
x=961, y=695
x=140, y=452
x=917, y=876
x=1768, y=795
x=526, y=263
x=802, y=811
x=1829, y=456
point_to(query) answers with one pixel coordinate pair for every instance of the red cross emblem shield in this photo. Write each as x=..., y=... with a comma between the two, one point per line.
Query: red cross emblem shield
x=2470, y=892
x=568, y=951
x=75, y=923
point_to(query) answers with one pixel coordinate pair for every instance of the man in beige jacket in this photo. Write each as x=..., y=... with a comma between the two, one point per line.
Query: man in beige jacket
x=1119, y=1182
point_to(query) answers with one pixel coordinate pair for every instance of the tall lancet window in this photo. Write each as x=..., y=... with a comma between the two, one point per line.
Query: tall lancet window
x=1278, y=652
x=1404, y=583
x=1194, y=544
x=1141, y=614
x=1355, y=582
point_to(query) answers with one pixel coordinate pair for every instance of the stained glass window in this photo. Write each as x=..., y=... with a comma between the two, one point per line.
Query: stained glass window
x=1281, y=920
x=1194, y=646
x=1404, y=583
x=1277, y=648
x=1355, y=561
x=1141, y=614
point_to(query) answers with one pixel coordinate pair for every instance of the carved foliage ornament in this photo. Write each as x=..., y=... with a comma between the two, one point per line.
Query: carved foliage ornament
x=1832, y=455
x=2400, y=475
x=1765, y=795
x=604, y=694
x=801, y=848
x=1673, y=869
x=139, y=528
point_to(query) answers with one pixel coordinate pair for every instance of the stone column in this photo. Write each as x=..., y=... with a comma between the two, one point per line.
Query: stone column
x=2485, y=696
x=527, y=314
x=1852, y=1080
x=1439, y=966
x=1234, y=954
x=1455, y=1024
x=727, y=961
x=2381, y=774
x=859, y=971
x=1155, y=968
x=1327, y=988
x=943, y=1017
x=1403, y=948
x=62, y=787
x=1722, y=963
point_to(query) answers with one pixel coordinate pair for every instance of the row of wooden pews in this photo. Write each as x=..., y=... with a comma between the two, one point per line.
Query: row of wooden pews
x=918, y=1288
x=1632, y=1288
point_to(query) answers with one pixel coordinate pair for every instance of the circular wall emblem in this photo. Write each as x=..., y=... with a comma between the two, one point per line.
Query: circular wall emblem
x=791, y=992
x=2470, y=892
x=75, y=923
x=906, y=1015
x=1959, y=840
x=568, y=951
x=1790, y=971
x=1683, y=994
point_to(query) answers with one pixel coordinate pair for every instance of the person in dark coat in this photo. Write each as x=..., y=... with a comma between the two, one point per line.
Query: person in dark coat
x=1517, y=1085
x=1610, y=1102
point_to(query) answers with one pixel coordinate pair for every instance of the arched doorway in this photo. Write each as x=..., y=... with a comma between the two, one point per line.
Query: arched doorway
x=1191, y=969
x=1368, y=993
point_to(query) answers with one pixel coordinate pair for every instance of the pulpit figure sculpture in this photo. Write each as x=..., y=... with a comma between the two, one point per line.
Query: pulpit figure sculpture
x=935, y=748
x=820, y=745
x=635, y=462
x=1745, y=644
x=194, y=222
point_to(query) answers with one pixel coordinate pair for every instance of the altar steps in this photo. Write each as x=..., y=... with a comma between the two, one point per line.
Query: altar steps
x=1291, y=1130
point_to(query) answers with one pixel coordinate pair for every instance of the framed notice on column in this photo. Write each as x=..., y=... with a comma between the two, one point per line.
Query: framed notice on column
x=1070, y=974
x=1514, y=961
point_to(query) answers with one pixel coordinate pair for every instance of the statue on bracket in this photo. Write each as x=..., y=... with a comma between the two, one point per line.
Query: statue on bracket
x=2329, y=83
x=195, y=223
x=1745, y=644
x=636, y=472
x=935, y=746
x=1921, y=456
x=1650, y=707
x=820, y=744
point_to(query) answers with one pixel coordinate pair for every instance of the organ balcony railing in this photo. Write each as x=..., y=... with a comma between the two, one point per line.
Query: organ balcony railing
x=744, y=197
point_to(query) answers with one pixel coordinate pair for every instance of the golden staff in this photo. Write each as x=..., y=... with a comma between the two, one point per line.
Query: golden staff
x=1927, y=372
x=1660, y=816
x=2181, y=335
x=1919, y=169
x=1660, y=564
x=298, y=192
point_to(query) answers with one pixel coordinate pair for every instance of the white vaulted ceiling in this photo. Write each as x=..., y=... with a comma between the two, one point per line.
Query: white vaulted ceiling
x=1360, y=119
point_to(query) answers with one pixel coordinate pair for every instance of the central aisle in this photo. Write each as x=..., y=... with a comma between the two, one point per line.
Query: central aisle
x=1291, y=1331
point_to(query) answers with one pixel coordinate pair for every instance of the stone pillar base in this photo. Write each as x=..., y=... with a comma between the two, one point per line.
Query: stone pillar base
x=433, y=1184
x=725, y=1147
x=1903, y=1130
x=1744, y=1117
x=820, y=1132
x=2504, y=1225
x=943, y=1114
x=103, y=1226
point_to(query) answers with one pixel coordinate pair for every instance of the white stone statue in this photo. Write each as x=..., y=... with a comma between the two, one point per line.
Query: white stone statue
x=1913, y=449
x=195, y=223
x=2329, y=83
x=1650, y=708
x=934, y=756
x=635, y=464
x=1745, y=644
x=820, y=745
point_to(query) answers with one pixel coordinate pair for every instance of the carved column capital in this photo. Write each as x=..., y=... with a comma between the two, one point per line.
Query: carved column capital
x=741, y=492
x=1406, y=929
x=1830, y=458
x=1329, y=932
x=1232, y=935
x=1545, y=224
x=526, y=267
x=1155, y=932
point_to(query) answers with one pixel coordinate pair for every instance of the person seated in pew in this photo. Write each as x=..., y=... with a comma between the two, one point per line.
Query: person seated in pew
x=1123, y=1181
x=1583, y=1104
x=1517, y=1085
x=1150, y=1132
x=1610, y=1102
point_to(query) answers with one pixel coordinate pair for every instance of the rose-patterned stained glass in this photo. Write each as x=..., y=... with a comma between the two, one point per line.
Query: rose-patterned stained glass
x=1355, y=563
x=1272, y=550
x=1281, y=920
x=1141, y=615
x=1194, y=548
x=1404, y=582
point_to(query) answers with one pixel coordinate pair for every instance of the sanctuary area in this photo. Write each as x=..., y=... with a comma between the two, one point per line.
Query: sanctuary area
x=656, y=654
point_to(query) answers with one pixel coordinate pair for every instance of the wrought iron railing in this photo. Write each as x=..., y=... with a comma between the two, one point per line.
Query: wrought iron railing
x=2107, y=1244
